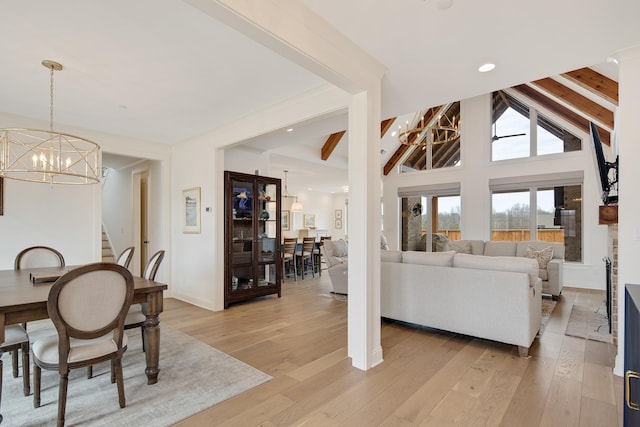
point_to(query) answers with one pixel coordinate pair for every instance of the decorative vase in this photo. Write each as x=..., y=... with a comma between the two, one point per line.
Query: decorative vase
x=264, y=215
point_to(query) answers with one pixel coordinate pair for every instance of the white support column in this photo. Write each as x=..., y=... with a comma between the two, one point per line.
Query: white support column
x=628, y=136
x=364, y=230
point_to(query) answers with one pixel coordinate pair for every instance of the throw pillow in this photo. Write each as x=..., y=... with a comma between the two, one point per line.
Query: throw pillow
x=542, y=256
x=460, y=248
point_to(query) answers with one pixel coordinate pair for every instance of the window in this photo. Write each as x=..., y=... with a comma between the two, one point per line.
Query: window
x=513, y=137
x=430, y=153
x=557, y=219
x=422, y=216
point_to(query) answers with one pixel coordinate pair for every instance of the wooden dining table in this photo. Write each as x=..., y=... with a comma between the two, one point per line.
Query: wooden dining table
x=23, y=301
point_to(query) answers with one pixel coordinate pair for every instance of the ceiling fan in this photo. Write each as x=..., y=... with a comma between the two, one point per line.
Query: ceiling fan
x=495, y=137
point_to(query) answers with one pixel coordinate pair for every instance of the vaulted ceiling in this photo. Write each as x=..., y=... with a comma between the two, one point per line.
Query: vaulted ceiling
x=164, y=71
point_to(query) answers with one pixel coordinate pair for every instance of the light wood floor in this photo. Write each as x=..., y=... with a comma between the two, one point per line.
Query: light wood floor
x=428, y=378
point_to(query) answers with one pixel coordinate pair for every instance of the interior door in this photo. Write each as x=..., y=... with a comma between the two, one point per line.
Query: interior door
x=141, y=203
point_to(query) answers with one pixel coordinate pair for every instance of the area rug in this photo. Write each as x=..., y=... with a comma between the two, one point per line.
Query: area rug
x=193, y=376
x=547, y=308
x=589, y=323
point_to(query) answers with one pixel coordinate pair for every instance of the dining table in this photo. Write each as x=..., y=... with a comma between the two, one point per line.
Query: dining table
x=22, y=300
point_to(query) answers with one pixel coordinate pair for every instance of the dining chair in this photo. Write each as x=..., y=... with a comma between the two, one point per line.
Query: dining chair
x=16, y=337
x=38, y=256
x=125, y=257
x=135, y=316
x=289, y=255
x=306, y=254
x=88, y=306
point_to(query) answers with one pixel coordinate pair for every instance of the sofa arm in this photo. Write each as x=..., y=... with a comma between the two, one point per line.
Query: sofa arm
x=554, y=271
x=339, y=275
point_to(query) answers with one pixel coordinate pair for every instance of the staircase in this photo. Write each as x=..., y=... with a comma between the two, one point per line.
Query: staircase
x=107, y=250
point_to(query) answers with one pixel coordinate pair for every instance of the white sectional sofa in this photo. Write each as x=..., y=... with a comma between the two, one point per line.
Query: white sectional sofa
x=551, y=275
x=491, y=297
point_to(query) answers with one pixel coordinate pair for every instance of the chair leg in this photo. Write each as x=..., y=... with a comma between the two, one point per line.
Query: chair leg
x=62, y=398
x=120, y=381
x=144, y=350
x=89, y=372
x=14, y=360
x=26, y=383
x=113, y=371
x=37, y=372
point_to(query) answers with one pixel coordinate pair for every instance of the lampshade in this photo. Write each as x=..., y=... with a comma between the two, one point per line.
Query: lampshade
x=296, y=206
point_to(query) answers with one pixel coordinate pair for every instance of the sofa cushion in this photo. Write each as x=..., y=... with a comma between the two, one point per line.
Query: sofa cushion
x=542, y=256
x=499, y=248
x=460, y=247
x=477, y=246
x=441, y=259
x=391, y=256
x=336, y=248
x=499, y=263
x=558, y=248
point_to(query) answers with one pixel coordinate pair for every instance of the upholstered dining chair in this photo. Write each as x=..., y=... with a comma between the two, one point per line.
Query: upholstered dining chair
x=306, y=254
x=125, y=257
x=38, y=256
x=289, y=255
x=135, y=316
x=16, y=337
x=88, y=306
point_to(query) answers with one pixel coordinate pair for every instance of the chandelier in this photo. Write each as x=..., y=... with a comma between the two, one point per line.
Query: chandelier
x=48, y=156
x=443, y=129
x=295, y=206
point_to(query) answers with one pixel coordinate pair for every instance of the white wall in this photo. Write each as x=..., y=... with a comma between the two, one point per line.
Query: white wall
x=474, y=176
x=60, y=216
x=629, y=205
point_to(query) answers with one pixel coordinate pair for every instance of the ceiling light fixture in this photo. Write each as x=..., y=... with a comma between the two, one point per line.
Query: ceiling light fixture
x=486, y=67
x=48, y=156
x=442, y=130
x=295, y=206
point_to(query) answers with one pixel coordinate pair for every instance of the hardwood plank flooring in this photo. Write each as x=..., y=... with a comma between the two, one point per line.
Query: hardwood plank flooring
x=428, y=377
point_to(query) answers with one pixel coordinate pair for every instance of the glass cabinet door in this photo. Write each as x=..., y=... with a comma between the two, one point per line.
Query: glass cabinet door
x=242, y=230
x=267, y=234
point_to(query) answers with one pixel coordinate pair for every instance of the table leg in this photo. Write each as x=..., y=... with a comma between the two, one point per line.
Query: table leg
x=151, y=333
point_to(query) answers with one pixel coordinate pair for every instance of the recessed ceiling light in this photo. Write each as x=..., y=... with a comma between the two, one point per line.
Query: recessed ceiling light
x=486, y=67
x=290, y=130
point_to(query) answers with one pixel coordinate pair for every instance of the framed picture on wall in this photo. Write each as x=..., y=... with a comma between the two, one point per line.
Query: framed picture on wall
x=309, y=220
x=338, y=224
x=286, y=217
x=338, y=214
x=191, y=210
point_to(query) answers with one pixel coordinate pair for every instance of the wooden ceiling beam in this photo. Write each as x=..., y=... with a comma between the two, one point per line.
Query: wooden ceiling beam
x=385, y=125
x=595, y=83
x=594, y=110
x=334, y=139
x=562, y=111
x=331, y=144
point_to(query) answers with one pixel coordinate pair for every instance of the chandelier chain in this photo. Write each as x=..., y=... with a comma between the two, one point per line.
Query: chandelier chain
x=51, y=102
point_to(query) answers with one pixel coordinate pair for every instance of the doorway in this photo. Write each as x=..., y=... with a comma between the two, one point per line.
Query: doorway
x=141, y=219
